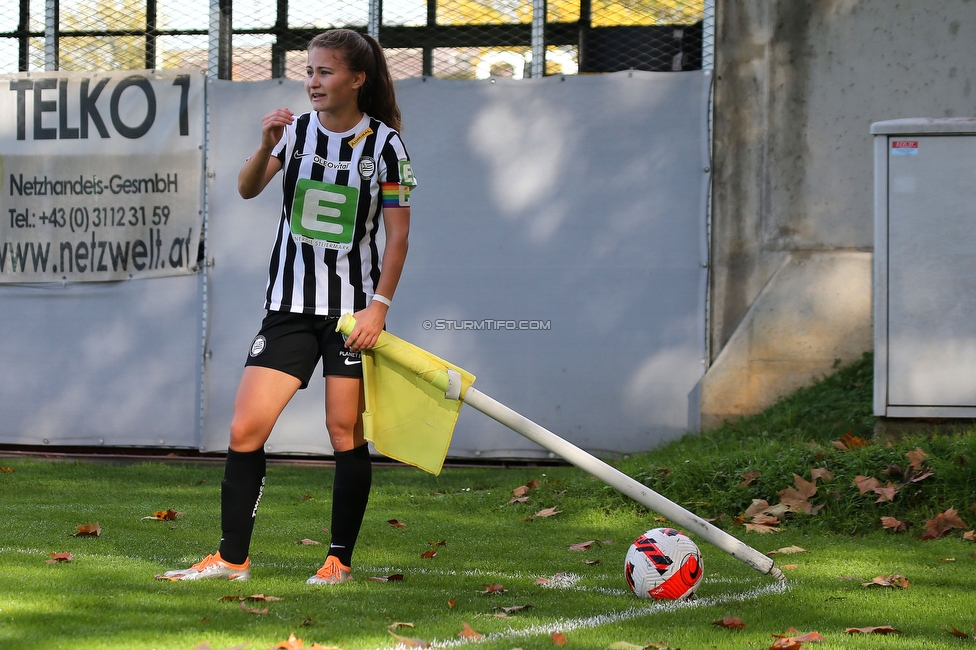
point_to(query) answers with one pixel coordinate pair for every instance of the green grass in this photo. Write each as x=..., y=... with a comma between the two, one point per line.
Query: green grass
x=106, y=598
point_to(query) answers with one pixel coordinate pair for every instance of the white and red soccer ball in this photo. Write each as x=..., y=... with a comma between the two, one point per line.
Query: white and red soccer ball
x=663, y=564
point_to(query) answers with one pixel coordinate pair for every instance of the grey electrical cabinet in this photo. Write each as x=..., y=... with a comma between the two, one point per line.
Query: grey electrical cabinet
x=925, y=268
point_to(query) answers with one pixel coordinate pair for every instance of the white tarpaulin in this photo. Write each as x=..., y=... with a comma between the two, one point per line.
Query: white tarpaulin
x=100, y=175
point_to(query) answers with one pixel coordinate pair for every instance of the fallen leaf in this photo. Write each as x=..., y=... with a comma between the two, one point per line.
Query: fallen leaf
x=443, y=542
x=750, y=478
x=397, y=625
x=916, y=458
x=428, y=555
x=583, y=546
x=59, y=557
x=393, y=578
x=893, y=524
x=451, y=603
x=969, y=536
x=921, y=476
x=955, y=632
x=592, y=562
x=894, y=581
x=396, y=524
x=850, y=442
x=793, y=640
x=887, y=493
x=788, y=550
x=307, y=497
x=263, y=598
x=292, y=643
x=547, y=512
x=410, y=643
x=308, y=542
x=730, y=623
x=495, y=588
x=623, y=645
x=6, y=470
x=947, y=559
x=866, y=483
x=661, y=520
x=518, y=500
x=821, y=473
x=880, y=629
x=942, y=523
x=249, y=610
x=88, y=530
x=559, y=638
x=512, y=609
x=789, y=567
x=164, y=515
x=758, y=506
x=468, y=633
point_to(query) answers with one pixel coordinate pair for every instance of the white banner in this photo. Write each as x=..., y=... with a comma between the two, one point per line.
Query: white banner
x=101, y=175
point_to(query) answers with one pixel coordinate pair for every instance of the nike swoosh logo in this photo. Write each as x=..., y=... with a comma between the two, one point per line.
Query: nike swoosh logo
x=350, y=362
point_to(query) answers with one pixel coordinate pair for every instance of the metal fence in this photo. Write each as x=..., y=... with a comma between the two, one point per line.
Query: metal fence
x=461, y=39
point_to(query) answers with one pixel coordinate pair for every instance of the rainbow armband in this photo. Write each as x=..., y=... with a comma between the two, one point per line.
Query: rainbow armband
x=395, y=195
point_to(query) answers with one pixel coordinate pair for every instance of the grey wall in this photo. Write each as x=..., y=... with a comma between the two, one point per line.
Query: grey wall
x=578, y=203
x=798, y=85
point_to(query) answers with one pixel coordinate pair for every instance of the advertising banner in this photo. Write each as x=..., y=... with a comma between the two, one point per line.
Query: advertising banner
x=101, y=175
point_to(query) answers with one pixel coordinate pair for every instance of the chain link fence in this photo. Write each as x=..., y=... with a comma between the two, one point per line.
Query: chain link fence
x=456, y=39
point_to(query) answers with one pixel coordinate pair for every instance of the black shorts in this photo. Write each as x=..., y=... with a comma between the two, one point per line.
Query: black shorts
x=293, y=344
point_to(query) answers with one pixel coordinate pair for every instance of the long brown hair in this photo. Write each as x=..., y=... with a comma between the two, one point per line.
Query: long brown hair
x=362, y=53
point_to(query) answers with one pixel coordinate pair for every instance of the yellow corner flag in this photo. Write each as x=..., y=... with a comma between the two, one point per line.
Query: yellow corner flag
x=407, y=417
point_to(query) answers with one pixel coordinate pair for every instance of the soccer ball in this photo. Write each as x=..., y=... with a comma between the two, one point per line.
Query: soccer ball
x=663, y=564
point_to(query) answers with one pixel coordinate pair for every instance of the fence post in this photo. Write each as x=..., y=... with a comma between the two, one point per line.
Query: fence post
x=51, y=36
x=538, y=67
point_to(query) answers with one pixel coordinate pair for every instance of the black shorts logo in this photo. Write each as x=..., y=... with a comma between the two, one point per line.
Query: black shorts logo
x=258, y=345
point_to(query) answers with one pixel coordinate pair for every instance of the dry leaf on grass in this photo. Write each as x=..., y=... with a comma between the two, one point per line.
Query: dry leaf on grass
x=522, y=490
x=468, y=633
x=794, y=640
x=969, y=536
x=396, y=577
x=893, y=524
x=397, y=625
x=592, y=562
x=512, y=609
x=750, y=478
x=251, y=610
x=788, y=550
x=395, y=523
x=495, y=588
x=893, y=581
x=59, y=557
x=88, y=530
x=879, y=629
x=308, y=542
x=443, y=542
x=427, y=555
x=164, y=515
x=942, y=523
x=916, y=458
x=559, y=638
x=958, y=633
x=410, y=643
x=583, y=546
x=451, y=603
x=730, y=623
x=518, y=500
x=850, y=442
x=547, y=512
x=6, y=470
x=821, y=473
x=866, y=483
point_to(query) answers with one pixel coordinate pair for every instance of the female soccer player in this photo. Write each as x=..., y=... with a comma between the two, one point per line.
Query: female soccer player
x=346, y=173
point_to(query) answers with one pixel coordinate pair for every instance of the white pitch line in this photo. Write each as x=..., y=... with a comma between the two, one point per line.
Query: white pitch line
x=589, y=622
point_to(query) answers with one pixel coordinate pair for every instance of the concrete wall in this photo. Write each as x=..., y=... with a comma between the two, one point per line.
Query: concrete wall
x=797, y=87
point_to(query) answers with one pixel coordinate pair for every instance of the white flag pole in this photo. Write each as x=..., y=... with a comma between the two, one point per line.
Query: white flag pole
x=617, y=479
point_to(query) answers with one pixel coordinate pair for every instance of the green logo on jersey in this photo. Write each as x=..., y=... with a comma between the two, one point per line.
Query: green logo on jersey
x=406, y=174
x=324, y=214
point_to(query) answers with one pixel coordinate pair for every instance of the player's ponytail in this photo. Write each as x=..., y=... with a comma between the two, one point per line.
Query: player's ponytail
x=362, y=53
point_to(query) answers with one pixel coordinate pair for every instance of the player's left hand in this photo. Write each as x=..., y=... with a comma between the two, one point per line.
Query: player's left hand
x=369, y=324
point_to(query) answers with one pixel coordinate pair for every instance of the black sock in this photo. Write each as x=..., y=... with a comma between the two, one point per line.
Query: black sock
x=350, y=494
x=240, y=494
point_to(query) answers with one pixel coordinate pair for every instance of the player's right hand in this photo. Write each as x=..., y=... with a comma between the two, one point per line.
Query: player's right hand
x=273, y=126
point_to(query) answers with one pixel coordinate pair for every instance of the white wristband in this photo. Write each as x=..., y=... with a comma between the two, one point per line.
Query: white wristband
x=383, y=299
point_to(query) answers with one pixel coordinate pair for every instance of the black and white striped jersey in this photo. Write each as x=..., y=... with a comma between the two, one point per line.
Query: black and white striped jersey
x=326, y=258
